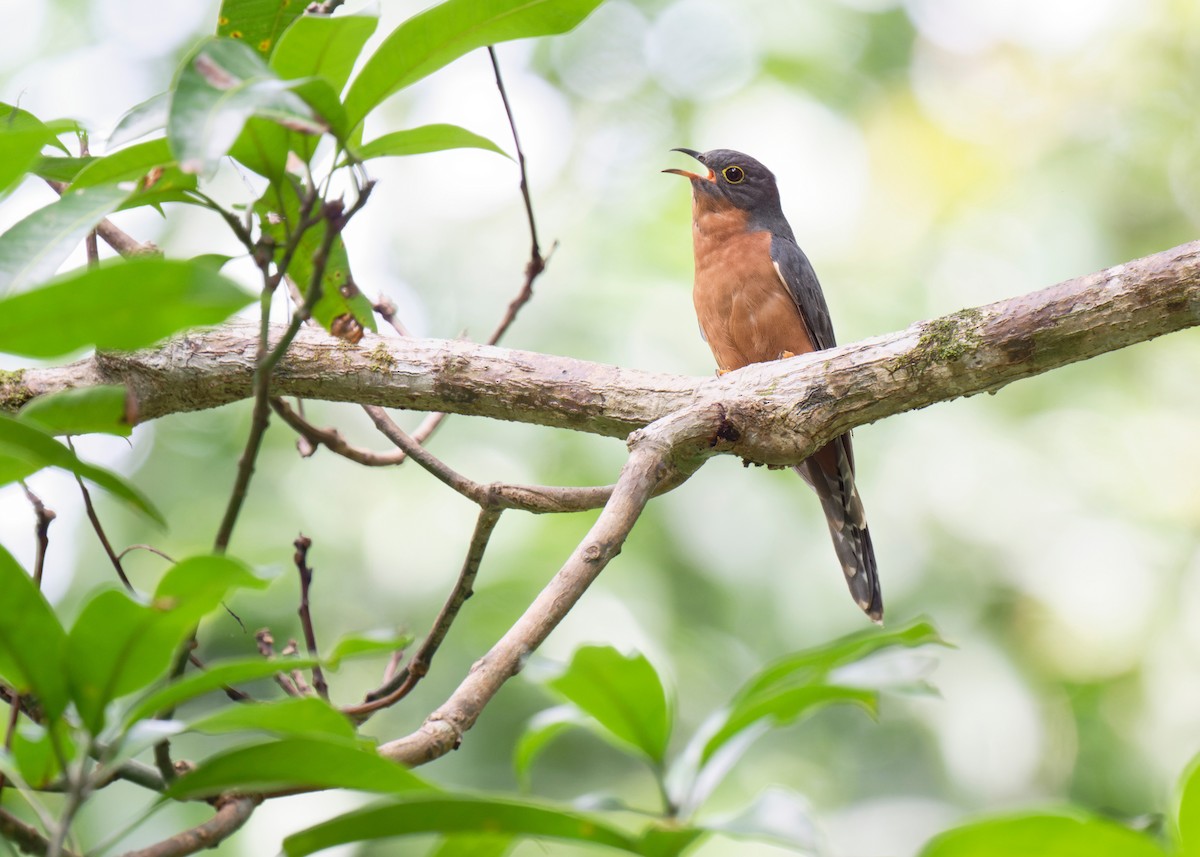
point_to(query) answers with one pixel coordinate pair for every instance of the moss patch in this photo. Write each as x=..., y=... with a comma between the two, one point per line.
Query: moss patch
x=381, y=360
x=12, y=389
x=944, y=340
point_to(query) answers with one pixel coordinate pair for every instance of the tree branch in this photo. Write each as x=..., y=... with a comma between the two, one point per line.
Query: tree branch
x=649, y=464
x=774, y=413
x=232, y=813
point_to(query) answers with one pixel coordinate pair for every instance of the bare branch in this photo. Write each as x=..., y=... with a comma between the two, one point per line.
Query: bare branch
x=26, y=837
x=529, y=498
x=780, y=411
x=98, y=528
x=402, y=683
x=43, y=516
x=648, y=465
x=302, y=544
x=232, y=813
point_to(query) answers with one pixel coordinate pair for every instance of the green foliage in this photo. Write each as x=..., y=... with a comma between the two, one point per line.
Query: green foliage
x=34, y=248
x=361, y=645
x=258, y=23
x=1072, y=834
x=224, y=673
x=35, y=669
x=104, y=409
x=430, y=40
x=623, y=694
x=118, y=646
x=301, y=717
x=469, y=814
x=119, y=306
x=427, y=138
x=221, y=85
x=1187, y=811
x=25, y=449
x=296, y=762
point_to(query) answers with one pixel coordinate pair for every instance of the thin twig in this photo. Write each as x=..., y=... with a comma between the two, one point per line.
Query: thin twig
x=332, y=439
x=149, y=548
x=533, y=268
x=89, y=243
x=232, y=813
x=266, y=648
x=90, y=508
x=336, y=218
x=303, y=543
x=25, y=836
x=648, y=465
x=404, y=681
x=538, y=499
x=43, y=517
x=114, y=236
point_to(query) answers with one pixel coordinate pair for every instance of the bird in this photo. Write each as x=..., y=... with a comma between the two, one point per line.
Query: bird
x=758, y=299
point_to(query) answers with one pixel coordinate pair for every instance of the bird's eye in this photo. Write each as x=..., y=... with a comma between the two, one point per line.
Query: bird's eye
x=734, y=175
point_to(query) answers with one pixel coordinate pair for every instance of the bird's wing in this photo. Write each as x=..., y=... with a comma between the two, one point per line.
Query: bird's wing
x=801, y=282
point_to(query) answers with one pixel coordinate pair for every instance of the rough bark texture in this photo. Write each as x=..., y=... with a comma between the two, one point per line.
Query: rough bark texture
x=774, y=413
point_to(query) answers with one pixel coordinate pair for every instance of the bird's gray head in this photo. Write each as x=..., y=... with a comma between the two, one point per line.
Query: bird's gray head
x=734, y=179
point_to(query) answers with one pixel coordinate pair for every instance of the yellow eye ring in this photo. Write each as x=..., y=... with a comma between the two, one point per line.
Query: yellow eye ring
x=734, y=174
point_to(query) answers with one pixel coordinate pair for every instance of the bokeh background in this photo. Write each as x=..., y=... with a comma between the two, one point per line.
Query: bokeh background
x=932, y=155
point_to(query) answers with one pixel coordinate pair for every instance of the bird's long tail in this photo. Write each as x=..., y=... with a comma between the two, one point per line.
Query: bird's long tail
x=830, y=471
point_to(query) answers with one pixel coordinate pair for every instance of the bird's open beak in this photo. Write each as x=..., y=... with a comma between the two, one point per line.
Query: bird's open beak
x=690, y=175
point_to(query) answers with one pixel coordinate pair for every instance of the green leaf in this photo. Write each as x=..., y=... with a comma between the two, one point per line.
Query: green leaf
x=217, y=675
x=124, y=305
x=36, y=750
x=26, y=617
x=59, y=169
x=358, y=645
x=128, y=164
x=543, y=728
x=142, y=119
x=22, y=138
x=19, y=149
x=116, y=647
x=315, y=45
x=457, y=814
x=105, y=408
x=14, y=120
x=263, y=145
x=623, y=693
x=783, y=707
x=1044, y=834
x=34, y=248
x=301, y=717
x=426, y=138
x=435, y=37
x=221, y=85
x=196, y=586
x=1187, y=813
x=258, y=23
x=812, y=665
x=26, y=449
x=279, y=212
x=468, y=845
x=296, y=762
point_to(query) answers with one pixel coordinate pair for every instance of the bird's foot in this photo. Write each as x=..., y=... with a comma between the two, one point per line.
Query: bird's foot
x=784, y=355
x=721, y=372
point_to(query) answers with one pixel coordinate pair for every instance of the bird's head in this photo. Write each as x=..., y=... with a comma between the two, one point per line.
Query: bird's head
x=733, y=179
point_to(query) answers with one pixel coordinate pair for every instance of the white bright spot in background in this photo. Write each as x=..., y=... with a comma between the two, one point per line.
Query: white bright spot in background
x=987, y=724
x=603, y=60
x=701, y=49
x=819, y=159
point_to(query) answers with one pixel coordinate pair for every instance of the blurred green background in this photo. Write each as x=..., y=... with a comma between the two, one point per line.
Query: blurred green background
x=931, y=155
